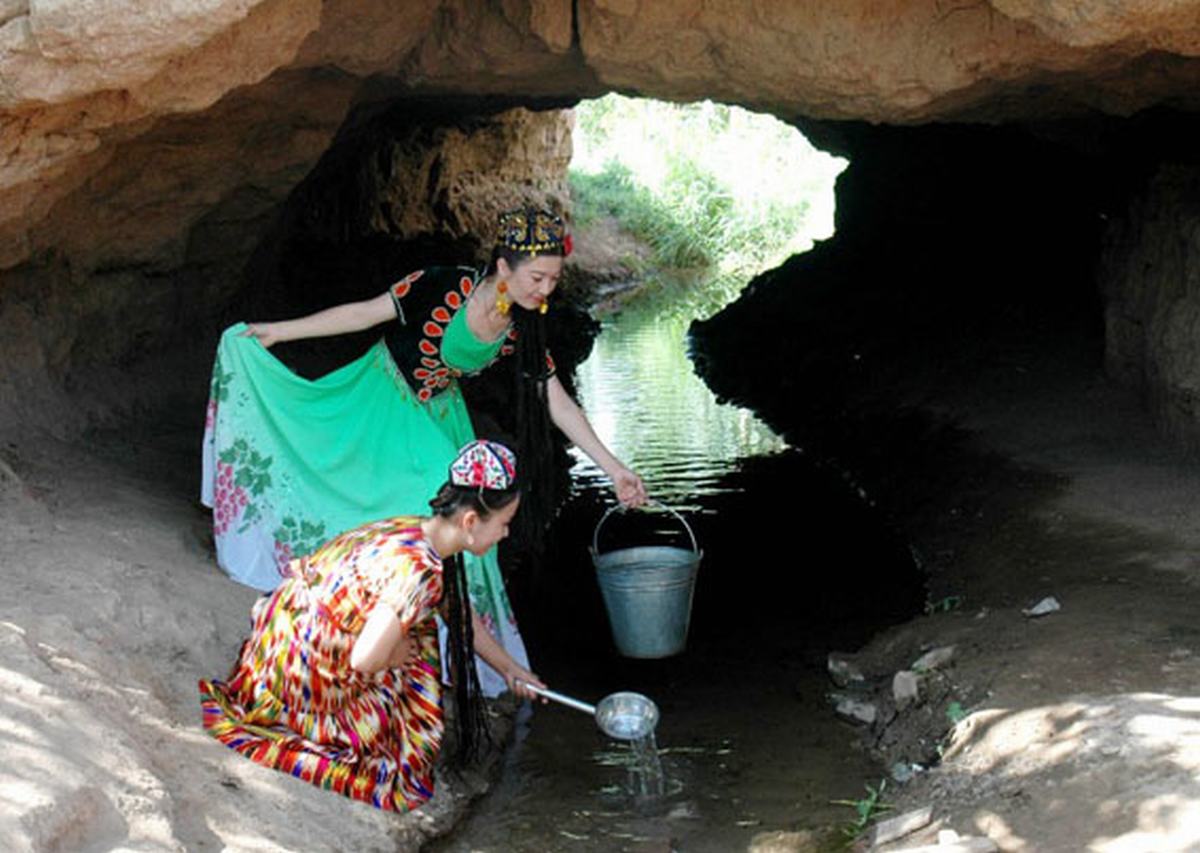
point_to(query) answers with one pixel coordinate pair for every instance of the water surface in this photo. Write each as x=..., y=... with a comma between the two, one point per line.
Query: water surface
x=651, y=409
x=746, y=741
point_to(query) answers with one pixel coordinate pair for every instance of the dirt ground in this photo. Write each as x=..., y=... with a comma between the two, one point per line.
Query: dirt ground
x=1078, y=729
x=113, y=607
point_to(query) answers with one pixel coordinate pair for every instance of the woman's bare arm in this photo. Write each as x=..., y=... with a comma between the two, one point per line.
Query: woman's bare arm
x=571, y=419
x=338, y=320
x=372, y=650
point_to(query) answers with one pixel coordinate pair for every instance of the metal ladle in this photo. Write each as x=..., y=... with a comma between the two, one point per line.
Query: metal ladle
x=621, y=716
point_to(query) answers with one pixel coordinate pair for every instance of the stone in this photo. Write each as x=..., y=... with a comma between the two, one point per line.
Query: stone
x=1042, y=608
x=780, y=47
x=855, y=710
x=934, y=659
x=1161, y=26
x=1150, y=315
x=843, y=670
x=973, y=844
x=782, y=841
x=897, y=827
x=684, y=811
x=73, y=76
x=906, y=688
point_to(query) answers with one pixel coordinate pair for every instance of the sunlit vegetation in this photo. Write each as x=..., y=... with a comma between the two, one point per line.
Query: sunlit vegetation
x=718, y=193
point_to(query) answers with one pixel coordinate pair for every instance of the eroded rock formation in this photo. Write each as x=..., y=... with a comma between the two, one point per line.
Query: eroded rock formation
x=144, y=155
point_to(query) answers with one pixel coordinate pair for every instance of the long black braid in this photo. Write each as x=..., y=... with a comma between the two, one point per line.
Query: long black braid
x=535, y=444
x=534, y=440
x=470, y=712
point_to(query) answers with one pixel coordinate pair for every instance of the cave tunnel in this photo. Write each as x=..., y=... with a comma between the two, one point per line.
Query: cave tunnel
x=1007, y=241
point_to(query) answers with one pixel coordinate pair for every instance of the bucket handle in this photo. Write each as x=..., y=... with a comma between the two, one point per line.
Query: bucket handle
x=651, y=502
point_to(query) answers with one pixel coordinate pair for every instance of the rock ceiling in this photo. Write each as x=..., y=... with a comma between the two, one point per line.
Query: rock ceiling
x=81, y=83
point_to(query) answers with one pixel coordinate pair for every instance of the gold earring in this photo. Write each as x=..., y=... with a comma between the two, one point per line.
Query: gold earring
x=544, y=308
x=503, y=302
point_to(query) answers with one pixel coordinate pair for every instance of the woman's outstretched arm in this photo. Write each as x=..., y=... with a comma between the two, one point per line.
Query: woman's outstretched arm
x=338, y=320
x=501, y=661
x=571, y=419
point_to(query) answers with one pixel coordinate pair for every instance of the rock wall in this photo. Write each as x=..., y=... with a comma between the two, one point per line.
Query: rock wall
x=1150, y=276
x=145, y=154
x=958, y=251
x=208, y=221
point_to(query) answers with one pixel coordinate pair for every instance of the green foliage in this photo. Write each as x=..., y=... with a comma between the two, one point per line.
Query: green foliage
x=955, y=713
x=717, y=192
x=614, y=192
x=866, y=810
x=943, y=605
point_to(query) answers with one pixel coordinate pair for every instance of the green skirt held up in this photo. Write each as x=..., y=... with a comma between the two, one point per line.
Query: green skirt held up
x=289, y=463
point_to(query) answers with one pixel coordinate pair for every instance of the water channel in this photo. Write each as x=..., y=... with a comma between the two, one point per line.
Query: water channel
x=790, y=571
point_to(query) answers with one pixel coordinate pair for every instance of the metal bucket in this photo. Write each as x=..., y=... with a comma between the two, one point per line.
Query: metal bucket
x=647, y=592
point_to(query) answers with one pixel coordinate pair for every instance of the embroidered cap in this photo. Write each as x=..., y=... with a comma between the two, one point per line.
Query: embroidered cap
x=533, y=231
x=484, y=465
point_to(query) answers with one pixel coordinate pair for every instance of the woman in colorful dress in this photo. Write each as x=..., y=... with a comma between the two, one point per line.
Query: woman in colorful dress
x=339, y=683
x=288, y=462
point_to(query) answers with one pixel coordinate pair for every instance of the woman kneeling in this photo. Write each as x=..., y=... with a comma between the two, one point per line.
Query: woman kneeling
x=340, y=681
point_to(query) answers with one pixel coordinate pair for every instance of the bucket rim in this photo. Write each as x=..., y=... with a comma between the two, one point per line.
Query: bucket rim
x=665, y=550
x=596, y=553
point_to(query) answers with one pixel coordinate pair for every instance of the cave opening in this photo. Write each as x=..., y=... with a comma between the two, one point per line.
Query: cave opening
x=797, y=563
x=960, y=253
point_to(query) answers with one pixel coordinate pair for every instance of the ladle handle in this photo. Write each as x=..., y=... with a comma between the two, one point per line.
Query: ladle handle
x=558, y=697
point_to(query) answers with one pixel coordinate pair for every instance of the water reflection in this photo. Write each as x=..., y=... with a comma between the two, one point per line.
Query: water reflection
x=656, y=415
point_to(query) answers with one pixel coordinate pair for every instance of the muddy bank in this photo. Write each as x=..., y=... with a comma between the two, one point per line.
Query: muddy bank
x=1019, y=472
x=1079, y=723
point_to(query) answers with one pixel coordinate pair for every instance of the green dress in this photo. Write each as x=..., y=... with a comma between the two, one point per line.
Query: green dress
x=289, y=463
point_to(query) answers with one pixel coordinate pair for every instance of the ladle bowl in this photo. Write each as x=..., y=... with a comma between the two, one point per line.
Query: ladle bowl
x=626, y=716
x=621, y=716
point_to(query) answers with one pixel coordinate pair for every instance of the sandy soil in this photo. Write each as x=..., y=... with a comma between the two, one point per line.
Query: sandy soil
x=113, y=607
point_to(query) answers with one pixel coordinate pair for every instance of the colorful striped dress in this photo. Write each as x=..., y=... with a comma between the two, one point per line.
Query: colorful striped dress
x=292, y=701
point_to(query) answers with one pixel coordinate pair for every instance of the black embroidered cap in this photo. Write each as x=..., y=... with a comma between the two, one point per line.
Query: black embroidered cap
x=533, y=231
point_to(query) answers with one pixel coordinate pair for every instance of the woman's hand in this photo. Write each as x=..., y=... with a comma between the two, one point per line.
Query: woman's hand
x=630, y=489
x=264, y=332
x=518, y=678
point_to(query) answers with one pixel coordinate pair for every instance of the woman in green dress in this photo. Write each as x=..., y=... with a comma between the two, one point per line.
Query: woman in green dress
x=290, y=462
